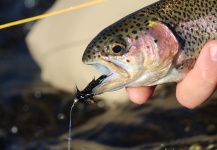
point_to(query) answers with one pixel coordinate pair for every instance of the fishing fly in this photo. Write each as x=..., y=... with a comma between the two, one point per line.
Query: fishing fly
x=84, y=96
x=87, y=95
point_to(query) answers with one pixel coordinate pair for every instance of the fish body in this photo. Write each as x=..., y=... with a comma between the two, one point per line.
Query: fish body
x=154, y=45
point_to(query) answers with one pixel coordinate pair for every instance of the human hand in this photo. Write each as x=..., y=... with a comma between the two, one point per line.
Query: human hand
x=195, y=88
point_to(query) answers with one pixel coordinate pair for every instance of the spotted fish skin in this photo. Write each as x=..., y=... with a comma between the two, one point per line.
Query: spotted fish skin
x=177, y=28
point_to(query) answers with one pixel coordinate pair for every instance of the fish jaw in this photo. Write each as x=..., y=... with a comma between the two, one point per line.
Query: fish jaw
x=117, y=77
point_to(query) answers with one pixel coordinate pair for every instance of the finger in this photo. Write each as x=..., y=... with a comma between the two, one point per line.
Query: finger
x=140, y=95
x=201, y=81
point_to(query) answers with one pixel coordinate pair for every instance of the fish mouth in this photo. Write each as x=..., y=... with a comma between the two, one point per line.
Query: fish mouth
x=103, y=70
x=115, y=76
x=112, y=70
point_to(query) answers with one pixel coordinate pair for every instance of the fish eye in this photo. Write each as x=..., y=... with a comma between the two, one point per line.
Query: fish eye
x=117, y=49
x=116, y=46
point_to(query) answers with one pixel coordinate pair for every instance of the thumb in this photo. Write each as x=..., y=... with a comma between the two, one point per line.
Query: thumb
x=201, y=81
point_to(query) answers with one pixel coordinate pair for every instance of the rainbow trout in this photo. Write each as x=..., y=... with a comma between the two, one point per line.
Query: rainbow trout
x=154, y=45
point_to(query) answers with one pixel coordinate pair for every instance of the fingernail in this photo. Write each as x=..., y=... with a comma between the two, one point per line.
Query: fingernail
x=213, y=53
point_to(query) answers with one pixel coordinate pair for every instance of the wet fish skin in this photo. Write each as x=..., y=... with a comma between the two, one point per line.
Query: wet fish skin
x=157, y=44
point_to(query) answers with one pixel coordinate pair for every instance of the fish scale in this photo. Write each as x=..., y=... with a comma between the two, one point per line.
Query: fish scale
x=189, y=23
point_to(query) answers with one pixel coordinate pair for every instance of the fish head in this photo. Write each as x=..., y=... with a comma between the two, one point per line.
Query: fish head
x=137, y=56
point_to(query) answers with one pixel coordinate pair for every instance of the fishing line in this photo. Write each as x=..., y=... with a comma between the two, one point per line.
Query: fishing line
x=84, y=96
x=49, y=14
x=70, y=122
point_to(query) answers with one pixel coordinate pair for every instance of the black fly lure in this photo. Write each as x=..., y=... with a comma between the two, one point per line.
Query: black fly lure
x=84, y=96
x=87, y=95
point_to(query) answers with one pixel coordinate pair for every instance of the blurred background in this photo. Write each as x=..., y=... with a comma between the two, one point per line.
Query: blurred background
x=35, y=114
